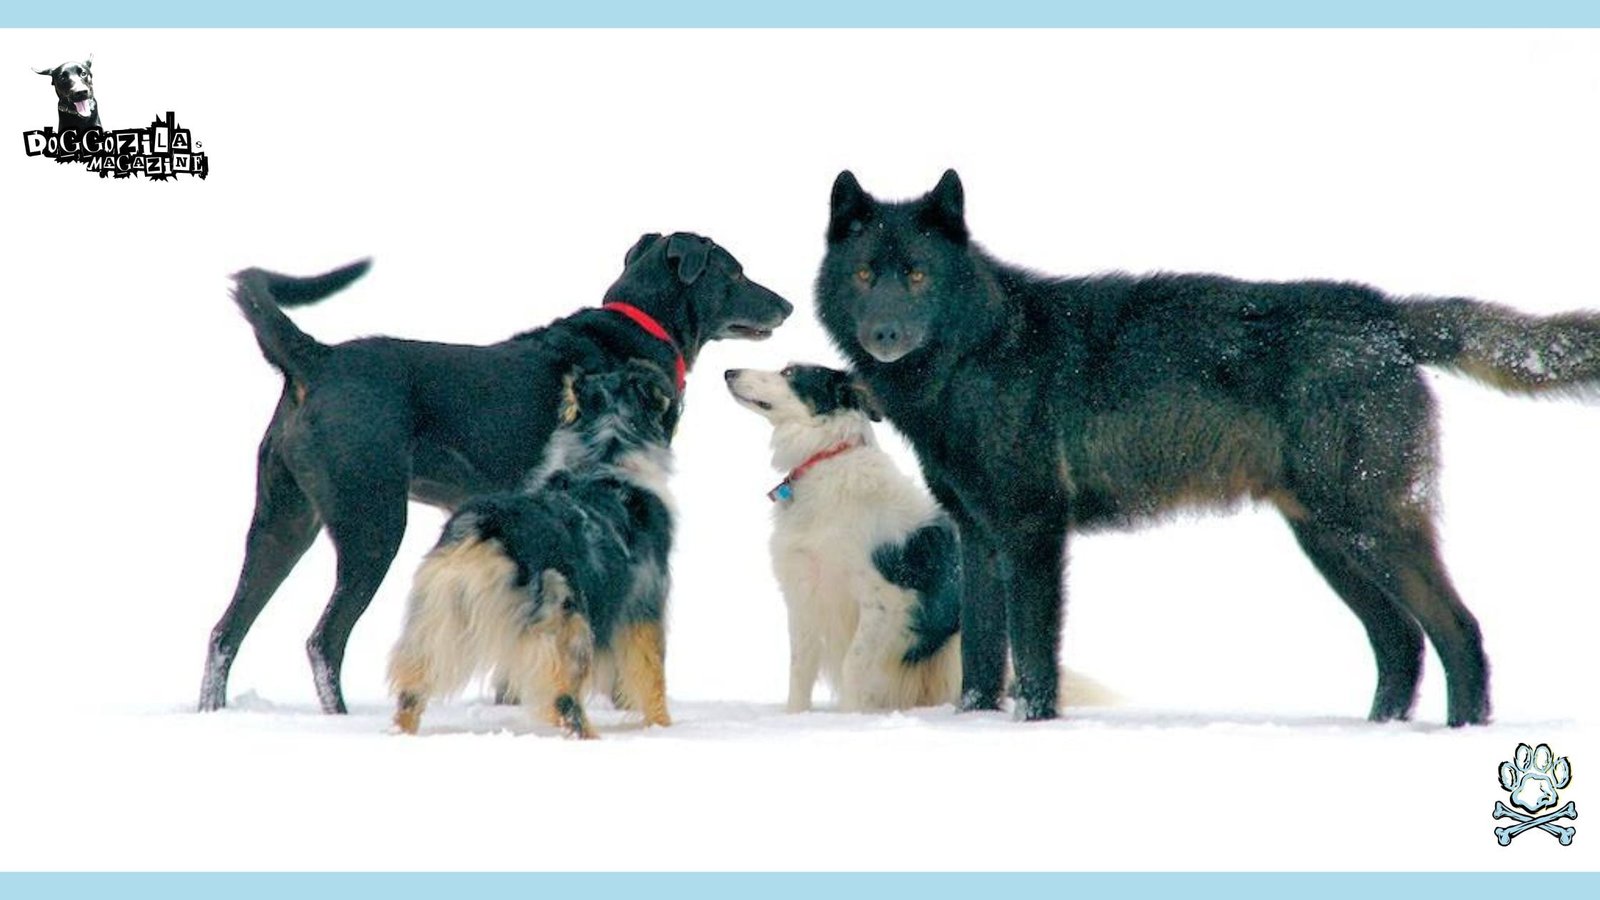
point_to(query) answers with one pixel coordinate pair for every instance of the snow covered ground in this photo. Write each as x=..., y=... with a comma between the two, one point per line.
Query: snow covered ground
x=497, y=178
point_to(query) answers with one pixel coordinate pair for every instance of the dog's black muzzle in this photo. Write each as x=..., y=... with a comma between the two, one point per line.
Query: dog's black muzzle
x=756, y=313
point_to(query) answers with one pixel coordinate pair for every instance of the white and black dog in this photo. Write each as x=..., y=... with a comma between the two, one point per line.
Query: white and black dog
x=76, y=108
x=869, y=565
x=562, y=587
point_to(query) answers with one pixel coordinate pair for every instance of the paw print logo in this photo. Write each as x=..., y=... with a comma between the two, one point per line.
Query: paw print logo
x=1534, y=777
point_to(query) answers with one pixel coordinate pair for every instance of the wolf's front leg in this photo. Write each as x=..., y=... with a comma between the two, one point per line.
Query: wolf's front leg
x=1034, y=555
x=983, y=619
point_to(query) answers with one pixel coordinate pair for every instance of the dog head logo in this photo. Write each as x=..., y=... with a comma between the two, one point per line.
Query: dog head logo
x=76, y=107
x=1534, y=777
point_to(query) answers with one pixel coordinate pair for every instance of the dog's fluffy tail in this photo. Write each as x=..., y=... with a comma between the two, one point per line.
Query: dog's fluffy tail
x=260, y=295
x=1506, y=349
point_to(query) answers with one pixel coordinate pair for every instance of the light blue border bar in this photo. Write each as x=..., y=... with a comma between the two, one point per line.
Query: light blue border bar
x=799, y=886
x=817, y=13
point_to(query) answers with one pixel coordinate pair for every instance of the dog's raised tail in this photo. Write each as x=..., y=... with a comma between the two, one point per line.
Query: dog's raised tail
x=261, y=296
x=1513, y=351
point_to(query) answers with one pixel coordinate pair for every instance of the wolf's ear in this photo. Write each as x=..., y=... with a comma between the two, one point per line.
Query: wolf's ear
x=689, y=253
x=639, y=248
x=853, y=393
x=568, y=410
x=849, y=208
x=945, y=207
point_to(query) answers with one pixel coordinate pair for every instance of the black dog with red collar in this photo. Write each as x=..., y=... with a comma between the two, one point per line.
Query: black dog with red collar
x=363, y=426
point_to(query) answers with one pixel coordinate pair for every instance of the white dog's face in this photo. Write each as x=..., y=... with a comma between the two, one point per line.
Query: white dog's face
x=801, y=394
x=769, y=394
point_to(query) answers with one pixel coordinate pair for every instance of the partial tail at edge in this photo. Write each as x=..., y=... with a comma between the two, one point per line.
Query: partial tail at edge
x=1506, y=349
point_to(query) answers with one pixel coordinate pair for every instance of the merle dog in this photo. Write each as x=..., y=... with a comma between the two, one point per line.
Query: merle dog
x=76, y=108
x=362, y=425
x=560, y=587
x=1039, y=406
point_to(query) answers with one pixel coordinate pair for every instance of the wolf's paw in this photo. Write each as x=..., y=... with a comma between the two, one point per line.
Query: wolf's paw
x=975, y=700
x=1534, y=775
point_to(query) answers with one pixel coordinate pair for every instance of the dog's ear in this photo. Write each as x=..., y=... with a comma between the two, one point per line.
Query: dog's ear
x=853, y=393
x=849, y=208
x=688, y=253
x=656, y=394
x=48, y=73
x=652, y=384
x=640, y=248
x=944, y=207
x=568, y=410
x=88, y=61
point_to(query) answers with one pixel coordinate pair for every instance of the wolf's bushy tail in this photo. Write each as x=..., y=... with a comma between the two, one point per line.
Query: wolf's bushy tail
x=1509, y=350
x=260, y=295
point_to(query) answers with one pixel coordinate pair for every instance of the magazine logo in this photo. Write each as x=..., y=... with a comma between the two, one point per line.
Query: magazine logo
x=161, y=151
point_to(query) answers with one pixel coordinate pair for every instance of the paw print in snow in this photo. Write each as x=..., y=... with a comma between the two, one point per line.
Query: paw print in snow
x=1534, y=776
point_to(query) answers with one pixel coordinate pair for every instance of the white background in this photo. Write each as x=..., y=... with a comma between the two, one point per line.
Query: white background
x=498, y=177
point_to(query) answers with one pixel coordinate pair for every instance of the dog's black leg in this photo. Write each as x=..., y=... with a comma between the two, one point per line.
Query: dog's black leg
x=365, y=547
x=283, y=526
x=351, y=453
x=1395, y=636
x=1032, y=555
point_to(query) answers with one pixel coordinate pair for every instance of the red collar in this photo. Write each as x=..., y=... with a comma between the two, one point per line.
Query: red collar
x=785, y=488
x=653, y=328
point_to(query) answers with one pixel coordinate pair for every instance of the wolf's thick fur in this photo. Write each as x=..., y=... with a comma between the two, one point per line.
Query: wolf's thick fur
x=1039, y=406
x=561, y=581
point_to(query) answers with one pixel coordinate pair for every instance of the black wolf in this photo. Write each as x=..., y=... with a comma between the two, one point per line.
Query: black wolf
x=1039, y=406
x=76, y=108
x=563, y=580
x=362, y=425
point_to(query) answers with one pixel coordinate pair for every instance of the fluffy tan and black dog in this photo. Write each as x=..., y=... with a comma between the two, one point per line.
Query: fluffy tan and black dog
x=563, y=586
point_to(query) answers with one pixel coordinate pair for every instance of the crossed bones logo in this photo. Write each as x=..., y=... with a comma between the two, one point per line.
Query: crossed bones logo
x=1534, y=776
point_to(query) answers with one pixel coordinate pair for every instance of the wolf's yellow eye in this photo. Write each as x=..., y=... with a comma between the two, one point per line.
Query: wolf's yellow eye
x=864, y=273
x=918, y=276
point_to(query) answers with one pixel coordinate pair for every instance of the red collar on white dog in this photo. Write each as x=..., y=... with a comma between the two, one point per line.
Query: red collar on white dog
x=785, y=489
x=653, y=328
